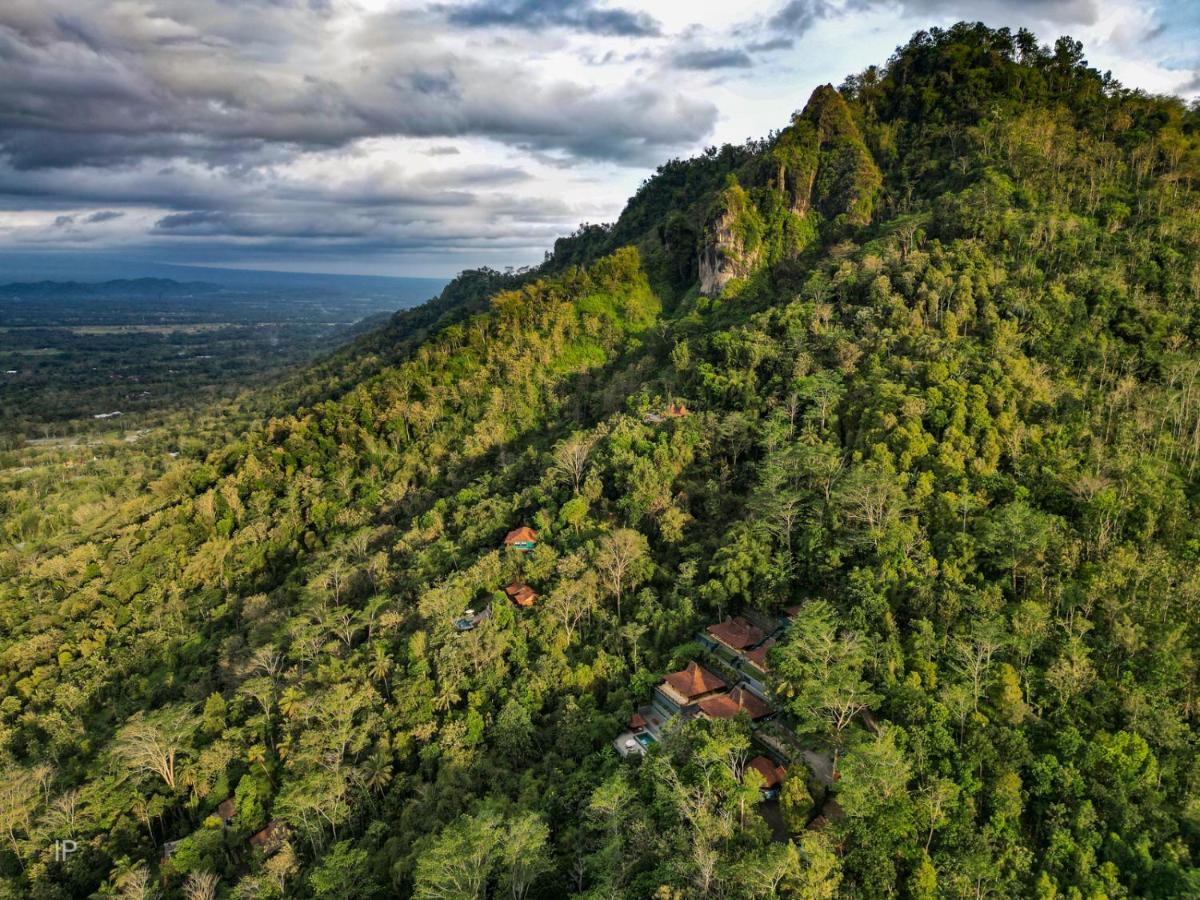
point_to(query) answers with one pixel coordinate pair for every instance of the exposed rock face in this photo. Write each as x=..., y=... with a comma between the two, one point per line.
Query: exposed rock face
x=730, y=248
x=722, y=258
x=818, y=170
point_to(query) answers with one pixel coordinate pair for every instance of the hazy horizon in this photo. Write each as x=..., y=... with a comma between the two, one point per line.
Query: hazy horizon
x=57, y=266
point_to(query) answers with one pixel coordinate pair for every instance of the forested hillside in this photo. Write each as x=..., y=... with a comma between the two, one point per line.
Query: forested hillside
x=937, y=340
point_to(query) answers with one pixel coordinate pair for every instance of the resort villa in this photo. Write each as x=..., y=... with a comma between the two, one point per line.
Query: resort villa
x=740, y=699
x=772, y=773
x=521, y=594
x=758, y=656
x=681, y=690
x=523, y=538
x=736, y=633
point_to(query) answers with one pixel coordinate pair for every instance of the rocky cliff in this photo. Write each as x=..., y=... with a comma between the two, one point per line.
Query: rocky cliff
x=817, y=173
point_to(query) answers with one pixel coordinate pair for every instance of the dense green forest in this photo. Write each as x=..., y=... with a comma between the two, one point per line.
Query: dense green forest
x=939, y=339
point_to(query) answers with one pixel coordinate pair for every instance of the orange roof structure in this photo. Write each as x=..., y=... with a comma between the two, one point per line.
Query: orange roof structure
x=736, y=633
x=692, y=683
x=521, y=594
x=226, y=810
x=772, y=774
x=727, y=706
x=518, y=536
x=271, y=837
x=758, y=656
x=637, y=722
x=792, y=611
x=676, y=411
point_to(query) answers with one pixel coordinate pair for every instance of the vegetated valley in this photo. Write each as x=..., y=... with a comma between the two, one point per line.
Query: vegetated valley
x=826, y=526
x=80, y=360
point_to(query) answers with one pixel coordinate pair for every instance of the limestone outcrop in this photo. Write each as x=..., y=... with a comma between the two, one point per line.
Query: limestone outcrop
x=817, y=170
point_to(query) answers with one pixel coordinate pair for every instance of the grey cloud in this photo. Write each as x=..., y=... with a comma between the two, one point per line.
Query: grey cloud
x=252, y=213
x=197, y=218
x=187, y=190
x=713, y=58
x=209, y=223
x=534, y=15
x=491, y=220
x=767, y=46
x=1061, y=12
x=70, y=221
x=798, y=16
x=435, y=84
x=204, y=129
x=118, y=90
x=480, y=176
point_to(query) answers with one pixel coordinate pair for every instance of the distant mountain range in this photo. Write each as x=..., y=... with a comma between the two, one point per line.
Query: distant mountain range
x=119, y=287
x=81, y=268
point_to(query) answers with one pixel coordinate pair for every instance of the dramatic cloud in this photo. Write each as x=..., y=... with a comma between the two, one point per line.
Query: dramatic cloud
x=119, y=82
x=535, y=15
x=798, y=16
x=714, y=58
x=70, y=221
x=421, y=136
x=771, y=44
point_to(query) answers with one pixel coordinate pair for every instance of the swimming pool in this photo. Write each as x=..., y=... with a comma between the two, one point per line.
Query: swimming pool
x=644, y=739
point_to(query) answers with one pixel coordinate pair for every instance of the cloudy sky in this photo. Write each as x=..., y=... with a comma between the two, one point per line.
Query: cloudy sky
x=419, y=138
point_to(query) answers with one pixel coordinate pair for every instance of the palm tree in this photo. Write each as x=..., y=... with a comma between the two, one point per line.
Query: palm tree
x=381, y=666
x=377, y=771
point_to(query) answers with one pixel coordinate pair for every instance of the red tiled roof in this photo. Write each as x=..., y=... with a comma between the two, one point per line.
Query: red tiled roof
x=771, y=773
x=694, y=681
x=792, y=611
x=727, y=706
x=522, y=535
x=758, y=656
x=720, y=707
x=521, y=593
x=636, y=721
x=736, y=633
x=676, y=411
x=226, y=809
